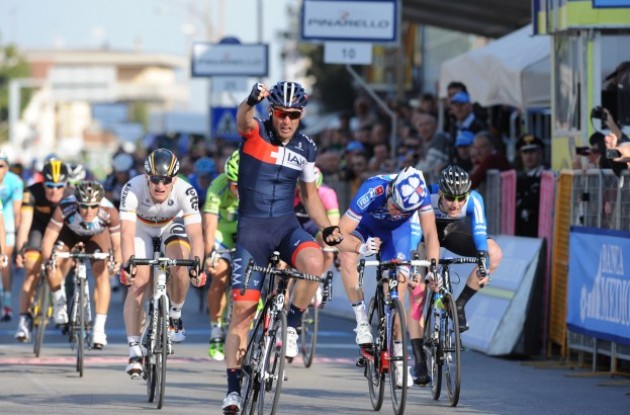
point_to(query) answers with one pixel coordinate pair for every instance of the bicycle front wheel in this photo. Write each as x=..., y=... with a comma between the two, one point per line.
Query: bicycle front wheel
x=452, y=348
x=252, y=362
x=80, y=326
x=310, y=323
x=432, y=348
x=375, y=376
x=41, y=313
x=149, y=361
x=272, y=370
x=398, y=363
x=161, y=351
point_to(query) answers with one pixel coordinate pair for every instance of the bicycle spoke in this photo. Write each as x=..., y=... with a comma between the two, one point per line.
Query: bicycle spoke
x=398, y=365
x=452, y=351
x=161, y=351
x=432, y=348
x=373, y=367
x=80, y=332
x=308, y=336
x=250, y=383
x=272, y=373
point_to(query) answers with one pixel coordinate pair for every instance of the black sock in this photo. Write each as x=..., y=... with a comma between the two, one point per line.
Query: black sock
x=234, y=380
x=463, y=298
x=294, y=317
x=418, y=352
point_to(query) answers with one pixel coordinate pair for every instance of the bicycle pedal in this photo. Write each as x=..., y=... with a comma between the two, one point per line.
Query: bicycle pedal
x=360, y=362
x=289, y=360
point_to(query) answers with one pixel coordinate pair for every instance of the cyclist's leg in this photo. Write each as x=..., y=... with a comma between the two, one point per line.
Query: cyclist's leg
x=32, y=265
x=102, y=288
x=217, y=302
x=65, y=241
x=176, y=245
x=7, y=278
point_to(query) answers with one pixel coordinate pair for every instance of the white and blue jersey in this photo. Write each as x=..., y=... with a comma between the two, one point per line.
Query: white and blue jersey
x=11, y=190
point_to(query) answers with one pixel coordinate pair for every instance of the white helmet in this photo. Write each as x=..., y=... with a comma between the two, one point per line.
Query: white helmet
x=408, y=189
x=122, y=163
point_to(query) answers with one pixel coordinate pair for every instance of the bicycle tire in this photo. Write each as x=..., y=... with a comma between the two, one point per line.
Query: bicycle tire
x=148, y=361
x=310, y=324
x=452, y=350
x=375, y=376
x=432, y=349
x=40, y=313
x=250, y=380
x=274, y=360
x=80, y=325
x=397, y=319
x=161, y=351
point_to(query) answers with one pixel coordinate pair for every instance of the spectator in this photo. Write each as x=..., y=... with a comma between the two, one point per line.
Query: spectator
x=462, y=157
x=464, y=118
x=380, y=162
x=436, y=144
x=530, y=149
x=363, y=115
x=485, y=157
x=589, y=158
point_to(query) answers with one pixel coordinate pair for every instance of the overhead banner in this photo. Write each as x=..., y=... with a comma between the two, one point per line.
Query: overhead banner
x=599, y=289
x=222, y=59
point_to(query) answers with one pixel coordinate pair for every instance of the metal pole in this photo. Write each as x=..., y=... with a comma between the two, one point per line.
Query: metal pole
x=384, y=107
x=259, y=12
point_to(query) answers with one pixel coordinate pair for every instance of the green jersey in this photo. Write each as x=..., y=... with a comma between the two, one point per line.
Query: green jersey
x=221, y=201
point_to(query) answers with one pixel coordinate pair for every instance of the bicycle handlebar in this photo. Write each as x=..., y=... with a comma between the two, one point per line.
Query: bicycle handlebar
x=455, y=261
x=81, y=255
x=283, y=273
x=167, y=262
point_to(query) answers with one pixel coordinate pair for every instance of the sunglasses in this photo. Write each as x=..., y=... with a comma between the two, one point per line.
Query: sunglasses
x=53, y=185
x=86, y=206
x=2, y=166
x=281, y=114
x=452, y=198
x=163, y=179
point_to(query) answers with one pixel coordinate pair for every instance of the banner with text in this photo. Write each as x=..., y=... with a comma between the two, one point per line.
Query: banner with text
x=599, y=289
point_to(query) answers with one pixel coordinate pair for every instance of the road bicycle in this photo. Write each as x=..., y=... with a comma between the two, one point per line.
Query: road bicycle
x=442, y=341
x=41, y=310
x=263, y=364
x=155, y=338
x=386, y=316
x=310, y=322
x=80, y=317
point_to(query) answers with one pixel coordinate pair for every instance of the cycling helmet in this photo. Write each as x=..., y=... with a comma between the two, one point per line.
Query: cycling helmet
x=161, y=162
x=231, y=166
x=408, y=189
x=454, y=181
x=55, y=171
x=122, y=163
x=76, y=172
x=288, y=94
x=205, y=165
x=89, y=192
x=319, y=177
x=3, y=156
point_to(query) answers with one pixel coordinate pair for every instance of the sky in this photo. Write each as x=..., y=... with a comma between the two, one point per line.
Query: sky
x=157, y=25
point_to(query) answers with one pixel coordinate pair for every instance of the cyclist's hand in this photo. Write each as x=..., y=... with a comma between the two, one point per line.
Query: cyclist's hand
x=332, y=235
x=482, y=268
x=19, y=260
x=197, y=276
x=434, y=281
x=210, y=264
x=127, y=275
x=259, y=92
x=370, y=247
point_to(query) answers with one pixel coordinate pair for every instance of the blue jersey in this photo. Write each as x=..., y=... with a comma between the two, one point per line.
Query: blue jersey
x=11, y=190
x=473, y=208
x=269, y=170
x=369, y=206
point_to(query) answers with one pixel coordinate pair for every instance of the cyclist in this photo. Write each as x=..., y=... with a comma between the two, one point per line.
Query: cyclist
x=220, y=214
x=384, y=208
x=158, y=204
x=76, y=173
x=273, y=157
x=123, y=171
x=454, y=204
x=39, y=201
x=205, y=172
x=83, y=218
x=11, y=193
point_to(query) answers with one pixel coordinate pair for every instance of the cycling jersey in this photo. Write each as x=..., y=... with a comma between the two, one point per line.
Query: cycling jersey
x=328, y=196
x=11, y=190
x=35, y=199
x=136, y=202
x=472, y=208
x=222, y=202
x=269, y=170
x=68, y=215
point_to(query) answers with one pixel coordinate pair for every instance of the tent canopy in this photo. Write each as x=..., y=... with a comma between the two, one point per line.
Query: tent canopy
x=513, y=70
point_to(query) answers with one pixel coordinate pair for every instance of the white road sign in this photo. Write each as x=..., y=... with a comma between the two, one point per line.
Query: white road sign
x=349, y=53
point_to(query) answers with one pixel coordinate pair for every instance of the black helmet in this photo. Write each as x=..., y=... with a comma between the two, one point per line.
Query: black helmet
x=161, y=162
x=288, y=94
x=76, y=172
x=89, y=192
x=454, y=181
x=55, y=171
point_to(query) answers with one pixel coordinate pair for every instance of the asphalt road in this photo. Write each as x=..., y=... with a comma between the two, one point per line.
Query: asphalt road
x=195, y=384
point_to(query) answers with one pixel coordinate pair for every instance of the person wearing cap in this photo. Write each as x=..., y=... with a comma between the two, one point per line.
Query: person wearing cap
x=205, y=171
x=463, y=142
x=122, y=171
x=461, y=108
x=530, y=149
x=485, y=156
x=11, y=192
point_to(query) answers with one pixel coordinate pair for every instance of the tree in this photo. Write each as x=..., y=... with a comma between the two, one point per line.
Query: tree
x=12, y=66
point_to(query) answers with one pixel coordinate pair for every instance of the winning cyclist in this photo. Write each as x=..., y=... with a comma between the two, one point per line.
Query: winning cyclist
x=39, y=201
x=220, y=214
x=83, y=218
x=274, y=157
x=158, y=204
x=11, y=193
x=383, y=208
x=454, y=202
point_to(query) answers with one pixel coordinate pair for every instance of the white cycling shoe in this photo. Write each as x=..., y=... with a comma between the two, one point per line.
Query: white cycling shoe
x=364, y=334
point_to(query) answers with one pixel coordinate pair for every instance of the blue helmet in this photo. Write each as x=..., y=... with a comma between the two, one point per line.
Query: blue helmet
x=408, y=189
x=287, y=94
x=205, y=165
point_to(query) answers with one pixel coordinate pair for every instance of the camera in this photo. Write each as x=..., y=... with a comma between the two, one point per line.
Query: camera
x=583, y=151
x=598, y=113
x=613, y=153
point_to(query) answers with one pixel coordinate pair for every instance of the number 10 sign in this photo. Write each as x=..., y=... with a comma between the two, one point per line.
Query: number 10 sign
x=349, y=53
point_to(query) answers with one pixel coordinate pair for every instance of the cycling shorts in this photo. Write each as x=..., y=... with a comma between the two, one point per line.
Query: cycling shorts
x=172, y=232
x=99, y=242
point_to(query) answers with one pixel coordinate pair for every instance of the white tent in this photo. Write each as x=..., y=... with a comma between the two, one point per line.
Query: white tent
x=513, y=70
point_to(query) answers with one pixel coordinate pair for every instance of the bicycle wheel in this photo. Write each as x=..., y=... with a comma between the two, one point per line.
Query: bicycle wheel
x=310, y=323
x=161, y=351
x=452, y=350
x=398, y=364
x=149, y=360
x=252, y=363
x=432, y=348
x=41, y=313
x=272, y=370
x=80, y=326
x=373, y=368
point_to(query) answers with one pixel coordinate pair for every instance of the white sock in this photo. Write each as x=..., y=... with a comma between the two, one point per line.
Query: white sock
x=134, y=346
x=59, y=295
x=176, y=310
x=360, y=313
x=397, y=348
x=99, y=322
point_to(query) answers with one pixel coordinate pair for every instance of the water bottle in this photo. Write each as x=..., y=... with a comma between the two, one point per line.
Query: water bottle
x=438, y=302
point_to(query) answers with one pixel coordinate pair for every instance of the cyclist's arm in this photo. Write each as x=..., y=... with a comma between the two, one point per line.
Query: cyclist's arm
x=52, y=233
x=26, y=220
x=350, y=243
x=477, y=213
x=245, y=122
x=115, y=241
x=17, y=210
x=210, y=224
x=329, y=199
x=194, y=233
x=127, y=235
x=429, y=231
x=3, y=235
x=313, y=204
